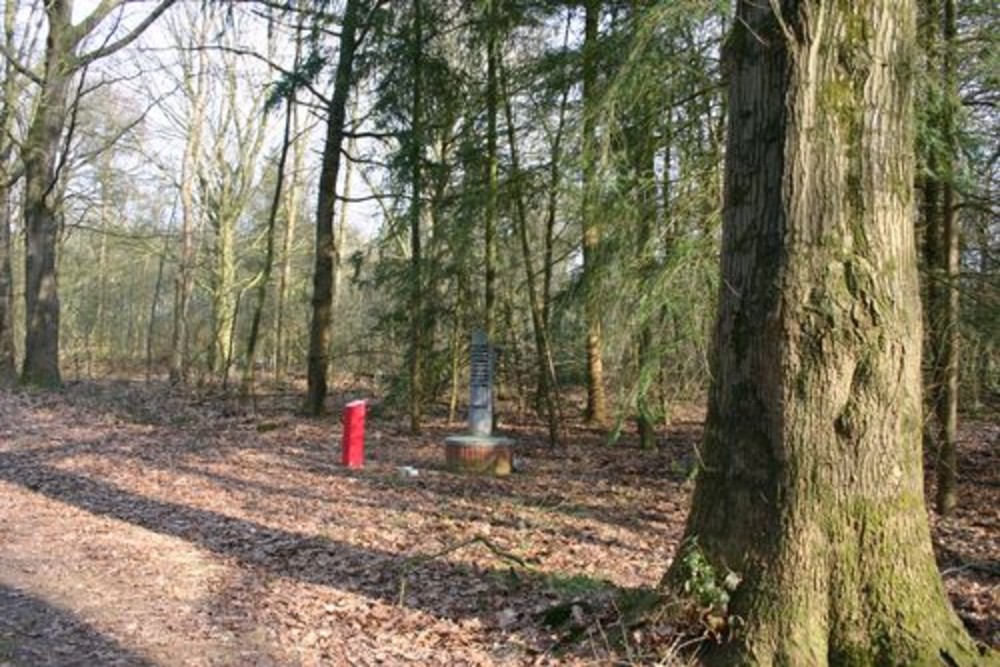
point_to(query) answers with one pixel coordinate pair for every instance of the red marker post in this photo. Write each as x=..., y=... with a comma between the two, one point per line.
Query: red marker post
x=353, y=446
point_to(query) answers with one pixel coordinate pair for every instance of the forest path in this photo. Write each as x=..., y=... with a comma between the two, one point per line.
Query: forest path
x=144, y=527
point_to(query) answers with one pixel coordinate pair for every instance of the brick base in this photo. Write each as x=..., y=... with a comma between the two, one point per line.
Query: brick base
x=488, y=459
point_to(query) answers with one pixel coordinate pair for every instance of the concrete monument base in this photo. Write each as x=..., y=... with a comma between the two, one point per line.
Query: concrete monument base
x=484, y=454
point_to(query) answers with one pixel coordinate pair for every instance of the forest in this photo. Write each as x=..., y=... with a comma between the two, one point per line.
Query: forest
x=500, y=332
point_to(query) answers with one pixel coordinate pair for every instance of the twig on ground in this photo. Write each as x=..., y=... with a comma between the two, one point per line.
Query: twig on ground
x=986, y=567
x=414, y=562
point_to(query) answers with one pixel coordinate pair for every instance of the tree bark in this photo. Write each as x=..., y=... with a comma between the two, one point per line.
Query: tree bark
x=322, y=300
x=810, y=485
x=549, y=384
x=195, y=91
x=249, y=372
x=287, y=244
x=640, y=137
x=947, y=334
x=8, y=368
x=597, y=411
x=492, y=105
x=416, y=151
x=223, y=221
x=352, y=149
x=8, y=363
x=41, y=153
x=554, y=180
x=99, y=343
x=41, y=173
x=151, y=324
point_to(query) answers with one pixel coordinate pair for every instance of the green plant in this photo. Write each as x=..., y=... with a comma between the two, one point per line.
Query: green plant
x=708, y=590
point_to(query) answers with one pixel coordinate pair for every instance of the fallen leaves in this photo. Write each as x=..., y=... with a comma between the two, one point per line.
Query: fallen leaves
x=234, y=540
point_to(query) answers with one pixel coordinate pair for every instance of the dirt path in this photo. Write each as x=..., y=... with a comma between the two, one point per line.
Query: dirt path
x=139, y=527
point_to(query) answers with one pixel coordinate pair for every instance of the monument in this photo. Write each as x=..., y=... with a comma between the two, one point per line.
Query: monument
x=479, y=450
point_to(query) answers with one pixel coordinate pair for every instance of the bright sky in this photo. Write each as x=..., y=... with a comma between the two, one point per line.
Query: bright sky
x=364, y=217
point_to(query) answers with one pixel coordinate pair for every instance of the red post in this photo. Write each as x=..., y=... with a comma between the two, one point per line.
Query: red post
x=353, y=447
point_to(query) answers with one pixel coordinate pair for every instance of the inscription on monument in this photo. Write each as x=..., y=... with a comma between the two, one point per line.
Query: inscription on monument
x=481, y=385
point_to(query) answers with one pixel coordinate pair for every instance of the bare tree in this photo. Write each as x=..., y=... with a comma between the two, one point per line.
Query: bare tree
x=42, y=164
x=12, y=84
x=194, y=88
x=323, y=273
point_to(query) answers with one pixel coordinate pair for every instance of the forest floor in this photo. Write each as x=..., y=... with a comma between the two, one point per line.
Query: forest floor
x=141, y=526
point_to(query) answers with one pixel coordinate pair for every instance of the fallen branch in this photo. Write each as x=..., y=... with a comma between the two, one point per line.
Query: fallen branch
x=415, y=562
x=985, y=567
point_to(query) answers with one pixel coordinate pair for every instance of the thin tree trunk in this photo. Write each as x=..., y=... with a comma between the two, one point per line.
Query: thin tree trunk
x=326, y=251
x=352, y=148
x=151, y=326
x=456, y=351
x=640, y=137
x=8, y=369
x=223, y=287
x=249, y=372
x=492, y=104
x=97, y=337
x=810, y=485
x=179, y=358
x=287, y=243
x=555, y=179
x=670, y=232
x=947, y=357
x=416, y=210
x=549, y=388
x=8, y=363
x=597, y=411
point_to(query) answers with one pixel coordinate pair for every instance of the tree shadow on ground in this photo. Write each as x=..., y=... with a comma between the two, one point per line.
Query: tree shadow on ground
x=313, y=559
x=35, y=633
x=554, y=487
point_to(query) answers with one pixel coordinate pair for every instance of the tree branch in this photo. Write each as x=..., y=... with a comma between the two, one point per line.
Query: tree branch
x=87, y=58
x=19, y=66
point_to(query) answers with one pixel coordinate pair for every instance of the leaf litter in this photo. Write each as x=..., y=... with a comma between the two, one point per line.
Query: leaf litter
x=145, y=525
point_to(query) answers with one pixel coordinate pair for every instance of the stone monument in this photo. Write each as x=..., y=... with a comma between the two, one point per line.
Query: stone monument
x=479, y=450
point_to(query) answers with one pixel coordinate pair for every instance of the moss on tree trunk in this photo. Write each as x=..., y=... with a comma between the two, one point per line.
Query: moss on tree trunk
x=811, y=483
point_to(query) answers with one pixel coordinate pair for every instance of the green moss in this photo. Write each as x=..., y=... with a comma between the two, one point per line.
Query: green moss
x=578, y=585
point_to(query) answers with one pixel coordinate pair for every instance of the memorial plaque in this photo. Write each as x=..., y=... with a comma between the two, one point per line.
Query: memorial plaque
x=481, y=385
x=479, y=451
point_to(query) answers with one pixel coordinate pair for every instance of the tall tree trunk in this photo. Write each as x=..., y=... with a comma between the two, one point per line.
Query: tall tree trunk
x=249, y=372
x=416, y=150
x=646, y=356
x=456, y=348
x=184, y=281
x=98, y=334
x=640, y=137
x=811, y=484
x=8, y=369
x=670, y=234
x=946, y=336
x=154, y=304
x=8, y=363
x=597, y=411
x=552, y=206
x=223, y=289
x=41, y=161
x=322, y=300
x=492, y=104
x=549, y=384
x=287, y=243
x=41, y=175
x=352, y=149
